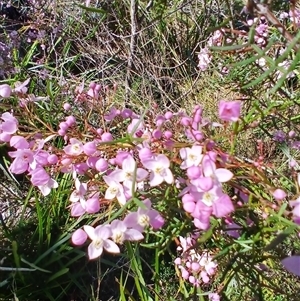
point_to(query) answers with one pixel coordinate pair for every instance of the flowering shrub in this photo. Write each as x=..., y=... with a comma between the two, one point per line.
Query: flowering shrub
x=133, y=165
x=154, y=178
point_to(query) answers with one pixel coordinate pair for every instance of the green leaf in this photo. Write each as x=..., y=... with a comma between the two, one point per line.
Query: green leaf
x=280, y=238
x=34, y=266
x=93, y=9
x=58, y=274
x=229, y=47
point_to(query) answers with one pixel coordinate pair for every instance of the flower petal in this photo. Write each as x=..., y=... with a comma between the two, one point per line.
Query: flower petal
x=223, y=175
x=133, y=235
x=222, y=206
x=90, y=231
x=292, y=264
x=94, y=252
x=168, y=176
x=110, y=246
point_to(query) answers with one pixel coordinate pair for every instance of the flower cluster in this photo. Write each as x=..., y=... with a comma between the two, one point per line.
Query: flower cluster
x=194, y=267
x=106, y=237
x=170, y=150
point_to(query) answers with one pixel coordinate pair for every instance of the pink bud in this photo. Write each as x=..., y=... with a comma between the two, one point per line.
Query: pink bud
x=168, y=115
x=52, y=159
x=168, y=134
x=145, y=153
x=92, y=85
x=279, y=194
x=185, y=274
x=194, y=172
x=195, y=266
x=160, y=120
x=67, y=106
x=66, y=161
x=5, y=91
x=79, y=237
x=177, y=261
x=204, y=277
x=61, y=132
x=99, y=131
x=188, y=203
x=89, y=148
x=101, y=165
x=126, y=113
x=106, y=137
x=63, y=126
x=293, y=163
x=292, y=134
x=92, y=205
x=186, y=121
x=196, y=108
x=156, y=134
x=98, y=88
x=70, y=120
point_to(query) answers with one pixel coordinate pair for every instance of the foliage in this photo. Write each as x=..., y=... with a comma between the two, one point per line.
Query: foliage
x=143, y=83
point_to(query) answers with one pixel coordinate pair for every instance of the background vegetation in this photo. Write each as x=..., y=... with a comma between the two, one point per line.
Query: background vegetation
x=144, y=55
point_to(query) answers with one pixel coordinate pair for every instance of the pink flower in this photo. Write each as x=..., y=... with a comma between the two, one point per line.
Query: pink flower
x=77, y=197
x=46, y=188
x=19, y=142
x=214, y=198
x=191, y=156
x=296, y=210
x=8, y=126
x=214, y=297
x=21, y=87
x=100, y=240
x=79, y=193
x=80, y=204
x=23, y=158
x=160, y=170
x=75, y=148
x=121, y=233
x=204, y=58
x=136, y=128
x=229, y=110
x=112, y=114
x=39, y=177
x=144, y=217
x=219, y=174
x=114, y=190
x=129, y=174
x=208, y=264
x=222, y=206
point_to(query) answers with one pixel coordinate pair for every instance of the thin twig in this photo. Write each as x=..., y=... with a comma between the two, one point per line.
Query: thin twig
x=133, y=39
